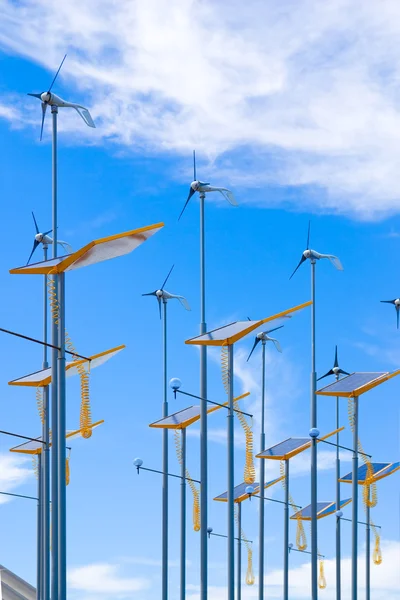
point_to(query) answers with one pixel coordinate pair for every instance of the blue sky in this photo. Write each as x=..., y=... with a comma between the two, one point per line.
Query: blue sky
x=301, y=124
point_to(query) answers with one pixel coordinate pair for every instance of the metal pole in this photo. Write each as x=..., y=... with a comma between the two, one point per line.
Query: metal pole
x=54, y=379
x=231, y=502
x=165, y=464
x=62, y=496
x=203, y=415
x=45, y=457
x=338, y=541
x=183, y=516
x=286, y=536
x=39, y=531
x=368, y=550
x=354, y=505
x=239, y=552
x=261, y=527
x=314, y=540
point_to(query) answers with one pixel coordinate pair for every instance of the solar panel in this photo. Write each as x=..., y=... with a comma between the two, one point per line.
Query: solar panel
x=33, y=447
x=94, y=252
x=323, y=510
x=379, y=470
x=43, y=377
x=239, y=492
x=229, y=334
x=30, y=447
x=351, y=384
x=180, y=419
x=329, y=510
x=305, y=513
x=286, y=449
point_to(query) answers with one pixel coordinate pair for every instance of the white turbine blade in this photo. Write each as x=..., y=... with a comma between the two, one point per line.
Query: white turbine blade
x=228, y=195
x=277, y=344
x=85, y=114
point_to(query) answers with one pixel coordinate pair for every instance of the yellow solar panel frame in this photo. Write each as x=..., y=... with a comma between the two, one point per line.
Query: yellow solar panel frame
x=84, y=256
x=72, y=366
x=302, y=448
x=361, y=390
x=319, y=514
x=375, y=477
x=185, y=424
x=245, y=496
x=229, y=341
x=69, y=435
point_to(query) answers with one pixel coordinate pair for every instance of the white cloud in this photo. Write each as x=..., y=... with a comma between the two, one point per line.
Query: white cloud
x=385, y=580
x=105, y=580
x=314, y=103
x=13, y=473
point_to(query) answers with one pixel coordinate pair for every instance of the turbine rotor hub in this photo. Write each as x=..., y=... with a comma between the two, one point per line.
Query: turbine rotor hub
x=336, y=370
x=46, y=97
x=195, y=185
x=397, y=302
x=159, y=293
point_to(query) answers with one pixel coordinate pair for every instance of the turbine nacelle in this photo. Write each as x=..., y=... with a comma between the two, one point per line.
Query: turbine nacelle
x=42, y=238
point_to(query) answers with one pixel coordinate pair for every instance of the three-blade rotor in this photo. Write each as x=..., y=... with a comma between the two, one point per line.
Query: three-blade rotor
x=264, y=336
x=396, y=303
x=336, y=370
x=313, y=255
x=39, y=238
x=163, y=296
x=204, y=187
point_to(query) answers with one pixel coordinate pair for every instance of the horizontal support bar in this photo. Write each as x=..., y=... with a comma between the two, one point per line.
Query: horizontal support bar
x=278, y=501
x=304, y=552
x=169, y=474
x=360, y=523
x=31, y=339
x=19, y=496
x=212, y=402
x=226, y=537
x=342, y=447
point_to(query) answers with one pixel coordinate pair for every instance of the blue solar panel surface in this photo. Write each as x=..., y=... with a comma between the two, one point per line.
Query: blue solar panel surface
x=238, y=491
x=285, y=447
x=362, y=471
x=352, y=382
x=329, y=510
x=392, y=468
x=181, y=416
x=305, y=512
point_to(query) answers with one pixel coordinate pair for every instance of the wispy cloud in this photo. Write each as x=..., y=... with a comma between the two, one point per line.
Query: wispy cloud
x=14, y=471
x=104, y=580
x=312, y=105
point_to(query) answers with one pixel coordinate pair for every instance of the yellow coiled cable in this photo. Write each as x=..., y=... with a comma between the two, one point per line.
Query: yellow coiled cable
x=195, y=492
x=321, y=578
x=301, y=539
x=370, y=492
x=249, y=469
x=85, y=410
x=250, y=579
x=377, y=553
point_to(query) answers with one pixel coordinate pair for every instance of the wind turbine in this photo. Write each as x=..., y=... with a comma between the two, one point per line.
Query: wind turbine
x=313, y=256
x=162, y=298
x=396, y=303
x=49, y=99
x=337, y=371
x=45, y=240
x=58, y=529
x=263, y=337
x=203, y=189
